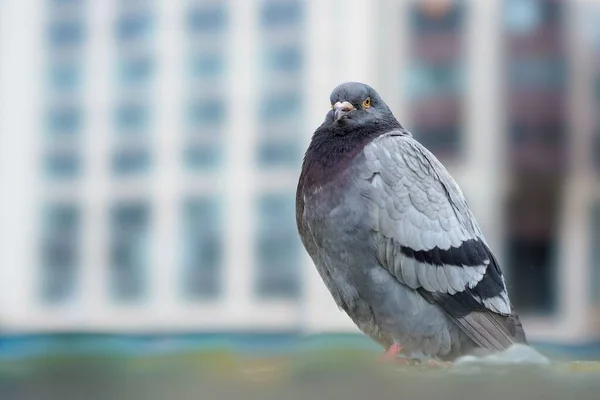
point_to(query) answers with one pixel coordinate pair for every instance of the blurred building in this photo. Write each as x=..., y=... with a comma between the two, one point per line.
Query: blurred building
x=150, y=149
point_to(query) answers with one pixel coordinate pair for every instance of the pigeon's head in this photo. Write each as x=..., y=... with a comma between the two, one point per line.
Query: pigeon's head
x=356, y=106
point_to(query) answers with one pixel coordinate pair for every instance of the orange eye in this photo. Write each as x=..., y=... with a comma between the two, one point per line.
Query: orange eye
x=367, y=102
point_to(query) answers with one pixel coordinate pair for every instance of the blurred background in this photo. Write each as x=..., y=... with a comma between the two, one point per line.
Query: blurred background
x=150, y=150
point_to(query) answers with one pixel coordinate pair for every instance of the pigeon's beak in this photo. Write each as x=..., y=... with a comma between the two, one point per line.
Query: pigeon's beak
x=341, y=109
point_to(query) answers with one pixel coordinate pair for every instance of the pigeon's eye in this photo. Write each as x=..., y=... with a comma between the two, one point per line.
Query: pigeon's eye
x=367, y=102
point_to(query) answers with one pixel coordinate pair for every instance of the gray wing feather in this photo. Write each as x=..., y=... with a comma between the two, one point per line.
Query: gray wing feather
x=420, y=208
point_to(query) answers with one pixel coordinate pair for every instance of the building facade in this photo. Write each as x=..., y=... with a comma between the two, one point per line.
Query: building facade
x=150, y=149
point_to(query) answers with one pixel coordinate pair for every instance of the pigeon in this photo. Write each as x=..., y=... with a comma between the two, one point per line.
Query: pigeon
x=394, y=240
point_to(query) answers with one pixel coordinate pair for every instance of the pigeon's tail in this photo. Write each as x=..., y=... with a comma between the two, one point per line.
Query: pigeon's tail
x=519, y=333
x=493, y=331
x=487, y=329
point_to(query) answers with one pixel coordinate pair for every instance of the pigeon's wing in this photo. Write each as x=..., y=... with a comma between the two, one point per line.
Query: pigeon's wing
x=427, y=237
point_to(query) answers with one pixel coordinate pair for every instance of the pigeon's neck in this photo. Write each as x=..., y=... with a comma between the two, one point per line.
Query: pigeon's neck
x=330, y=154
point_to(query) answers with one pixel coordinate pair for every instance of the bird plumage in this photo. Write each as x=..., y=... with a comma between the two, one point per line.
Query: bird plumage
x=393, y=237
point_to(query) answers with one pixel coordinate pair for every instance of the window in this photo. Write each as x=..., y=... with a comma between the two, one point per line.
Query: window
x=531, y=278
x=207, y=18
x=132, y=160
x=534, y=259
x=202, y=248
x=134, y=25
x=532, y=226
x=432, y=16
x=206, y=111
x=209, y=111
x=132, y=116
x=202, y=156
x=280, y=13
x=280, y=114
x=136, y=69
x=207, y=65
x=66, y=2
x=435, y=79
x=65, y=120
x=130, y=226
x=519, y=134
x=535, y=80
x=528, y=72
x=521, y=16
x=283, y=105
x=278, y=248
x=595, y=148
x=596, y=151
x=442, y=141
x=63, y=115
x=597, y=86
x=66, y=33
x=62, y=164
x=285, y=59
x=525, y=16
x=281, y=52
x=64, y=77
x=553, y=135
x=61, y=232
x=428, y=80
x=282, y=152
x=595, y=253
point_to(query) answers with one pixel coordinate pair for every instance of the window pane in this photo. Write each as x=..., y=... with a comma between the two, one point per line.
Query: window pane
x=427, y=80
x=284, y=59
x=66, y=2
x=130, y=225
x=522, y=17
x=207, y=18
x=595, y=256
x=535, y=100
x=280, y=13
x=65, y=120
x=532, y=274
x=65, y=76
x=132, y=117
x=207, y=112
x=443, y=141
x=202, y=156
x=134, y=25
x=274, y=153
x=202, y=248
x=535, y=72
x=206, y=109
x=136, y=70
x=60, y=164
x=207, y=65
x=66, y=33
x=130, y=161
x=281, y=106
x=432, y=16
x=278, y=248
x=61, y=232
x=435, y=79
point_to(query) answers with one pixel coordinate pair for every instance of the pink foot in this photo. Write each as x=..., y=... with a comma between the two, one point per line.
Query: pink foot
x=391, y=355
